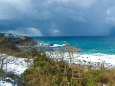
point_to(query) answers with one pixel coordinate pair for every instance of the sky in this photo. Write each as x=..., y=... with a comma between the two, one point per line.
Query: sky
x=58, y=17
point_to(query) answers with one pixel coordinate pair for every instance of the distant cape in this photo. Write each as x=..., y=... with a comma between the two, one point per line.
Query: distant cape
x=18, y=40
x=9, y=44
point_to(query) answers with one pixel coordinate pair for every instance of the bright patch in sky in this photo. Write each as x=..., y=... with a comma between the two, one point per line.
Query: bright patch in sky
x=27, y=32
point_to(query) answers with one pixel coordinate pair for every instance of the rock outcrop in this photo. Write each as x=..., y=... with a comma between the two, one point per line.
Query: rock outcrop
x=19, y=40
x=6, y=45
x=9, y=42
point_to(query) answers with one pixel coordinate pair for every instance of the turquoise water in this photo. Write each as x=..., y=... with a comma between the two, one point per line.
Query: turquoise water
x=89, y=45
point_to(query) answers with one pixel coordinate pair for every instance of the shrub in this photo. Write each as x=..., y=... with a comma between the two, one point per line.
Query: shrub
x=47, y=72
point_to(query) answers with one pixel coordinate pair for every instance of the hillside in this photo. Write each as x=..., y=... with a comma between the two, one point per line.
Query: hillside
x=18, y=40
x=8, y=44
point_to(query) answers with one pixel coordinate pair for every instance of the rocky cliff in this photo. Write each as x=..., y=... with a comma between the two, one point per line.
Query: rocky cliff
x=19, y=40
x=9, y=42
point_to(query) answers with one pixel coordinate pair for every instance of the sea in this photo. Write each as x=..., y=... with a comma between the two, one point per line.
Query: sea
x=95, y=47
x=87, y=44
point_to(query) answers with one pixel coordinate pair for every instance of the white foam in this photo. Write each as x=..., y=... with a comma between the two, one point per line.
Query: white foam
x=48, y=45
x=42, y=45
x=57, y=45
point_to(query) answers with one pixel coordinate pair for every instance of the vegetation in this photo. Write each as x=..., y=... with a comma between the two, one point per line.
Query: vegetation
x=6, y=46
x=10, y=48
x=47, y=72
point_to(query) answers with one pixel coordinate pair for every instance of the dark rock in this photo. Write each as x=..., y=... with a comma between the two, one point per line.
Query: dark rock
x=19, y=40
x=9, y=42
x=51, y=44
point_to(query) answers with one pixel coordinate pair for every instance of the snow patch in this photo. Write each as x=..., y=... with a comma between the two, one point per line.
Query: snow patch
x=15, y=64
x=94, y=60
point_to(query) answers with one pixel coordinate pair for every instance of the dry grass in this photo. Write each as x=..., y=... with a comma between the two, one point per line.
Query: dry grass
x=47, y=72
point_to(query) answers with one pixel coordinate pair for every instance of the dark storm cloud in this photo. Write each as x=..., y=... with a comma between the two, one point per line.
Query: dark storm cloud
x=57, y=17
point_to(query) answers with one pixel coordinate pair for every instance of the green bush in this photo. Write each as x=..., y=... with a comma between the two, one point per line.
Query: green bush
x=26, y=72
x=47, y=72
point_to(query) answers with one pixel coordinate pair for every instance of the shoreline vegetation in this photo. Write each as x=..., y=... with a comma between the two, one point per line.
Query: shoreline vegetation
x=47, y=70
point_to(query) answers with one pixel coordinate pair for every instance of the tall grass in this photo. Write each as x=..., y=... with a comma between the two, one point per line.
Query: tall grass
x=49, y=72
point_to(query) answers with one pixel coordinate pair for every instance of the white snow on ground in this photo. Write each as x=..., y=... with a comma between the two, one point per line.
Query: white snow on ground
x=85, y=59
x=110, y=59
x=15, y=65
x=19, y=65
x=4, y=83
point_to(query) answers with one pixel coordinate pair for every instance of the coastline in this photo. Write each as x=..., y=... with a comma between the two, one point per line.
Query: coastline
x=18, y=65
x=92, y=58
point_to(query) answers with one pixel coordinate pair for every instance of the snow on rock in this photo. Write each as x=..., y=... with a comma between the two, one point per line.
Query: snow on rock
x=9, y=35
x=7, y=82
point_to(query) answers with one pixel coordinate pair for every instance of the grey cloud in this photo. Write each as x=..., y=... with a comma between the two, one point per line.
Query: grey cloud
x=63, y=17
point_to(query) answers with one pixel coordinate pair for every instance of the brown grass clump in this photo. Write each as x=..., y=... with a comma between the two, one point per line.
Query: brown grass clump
x=47, y=72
